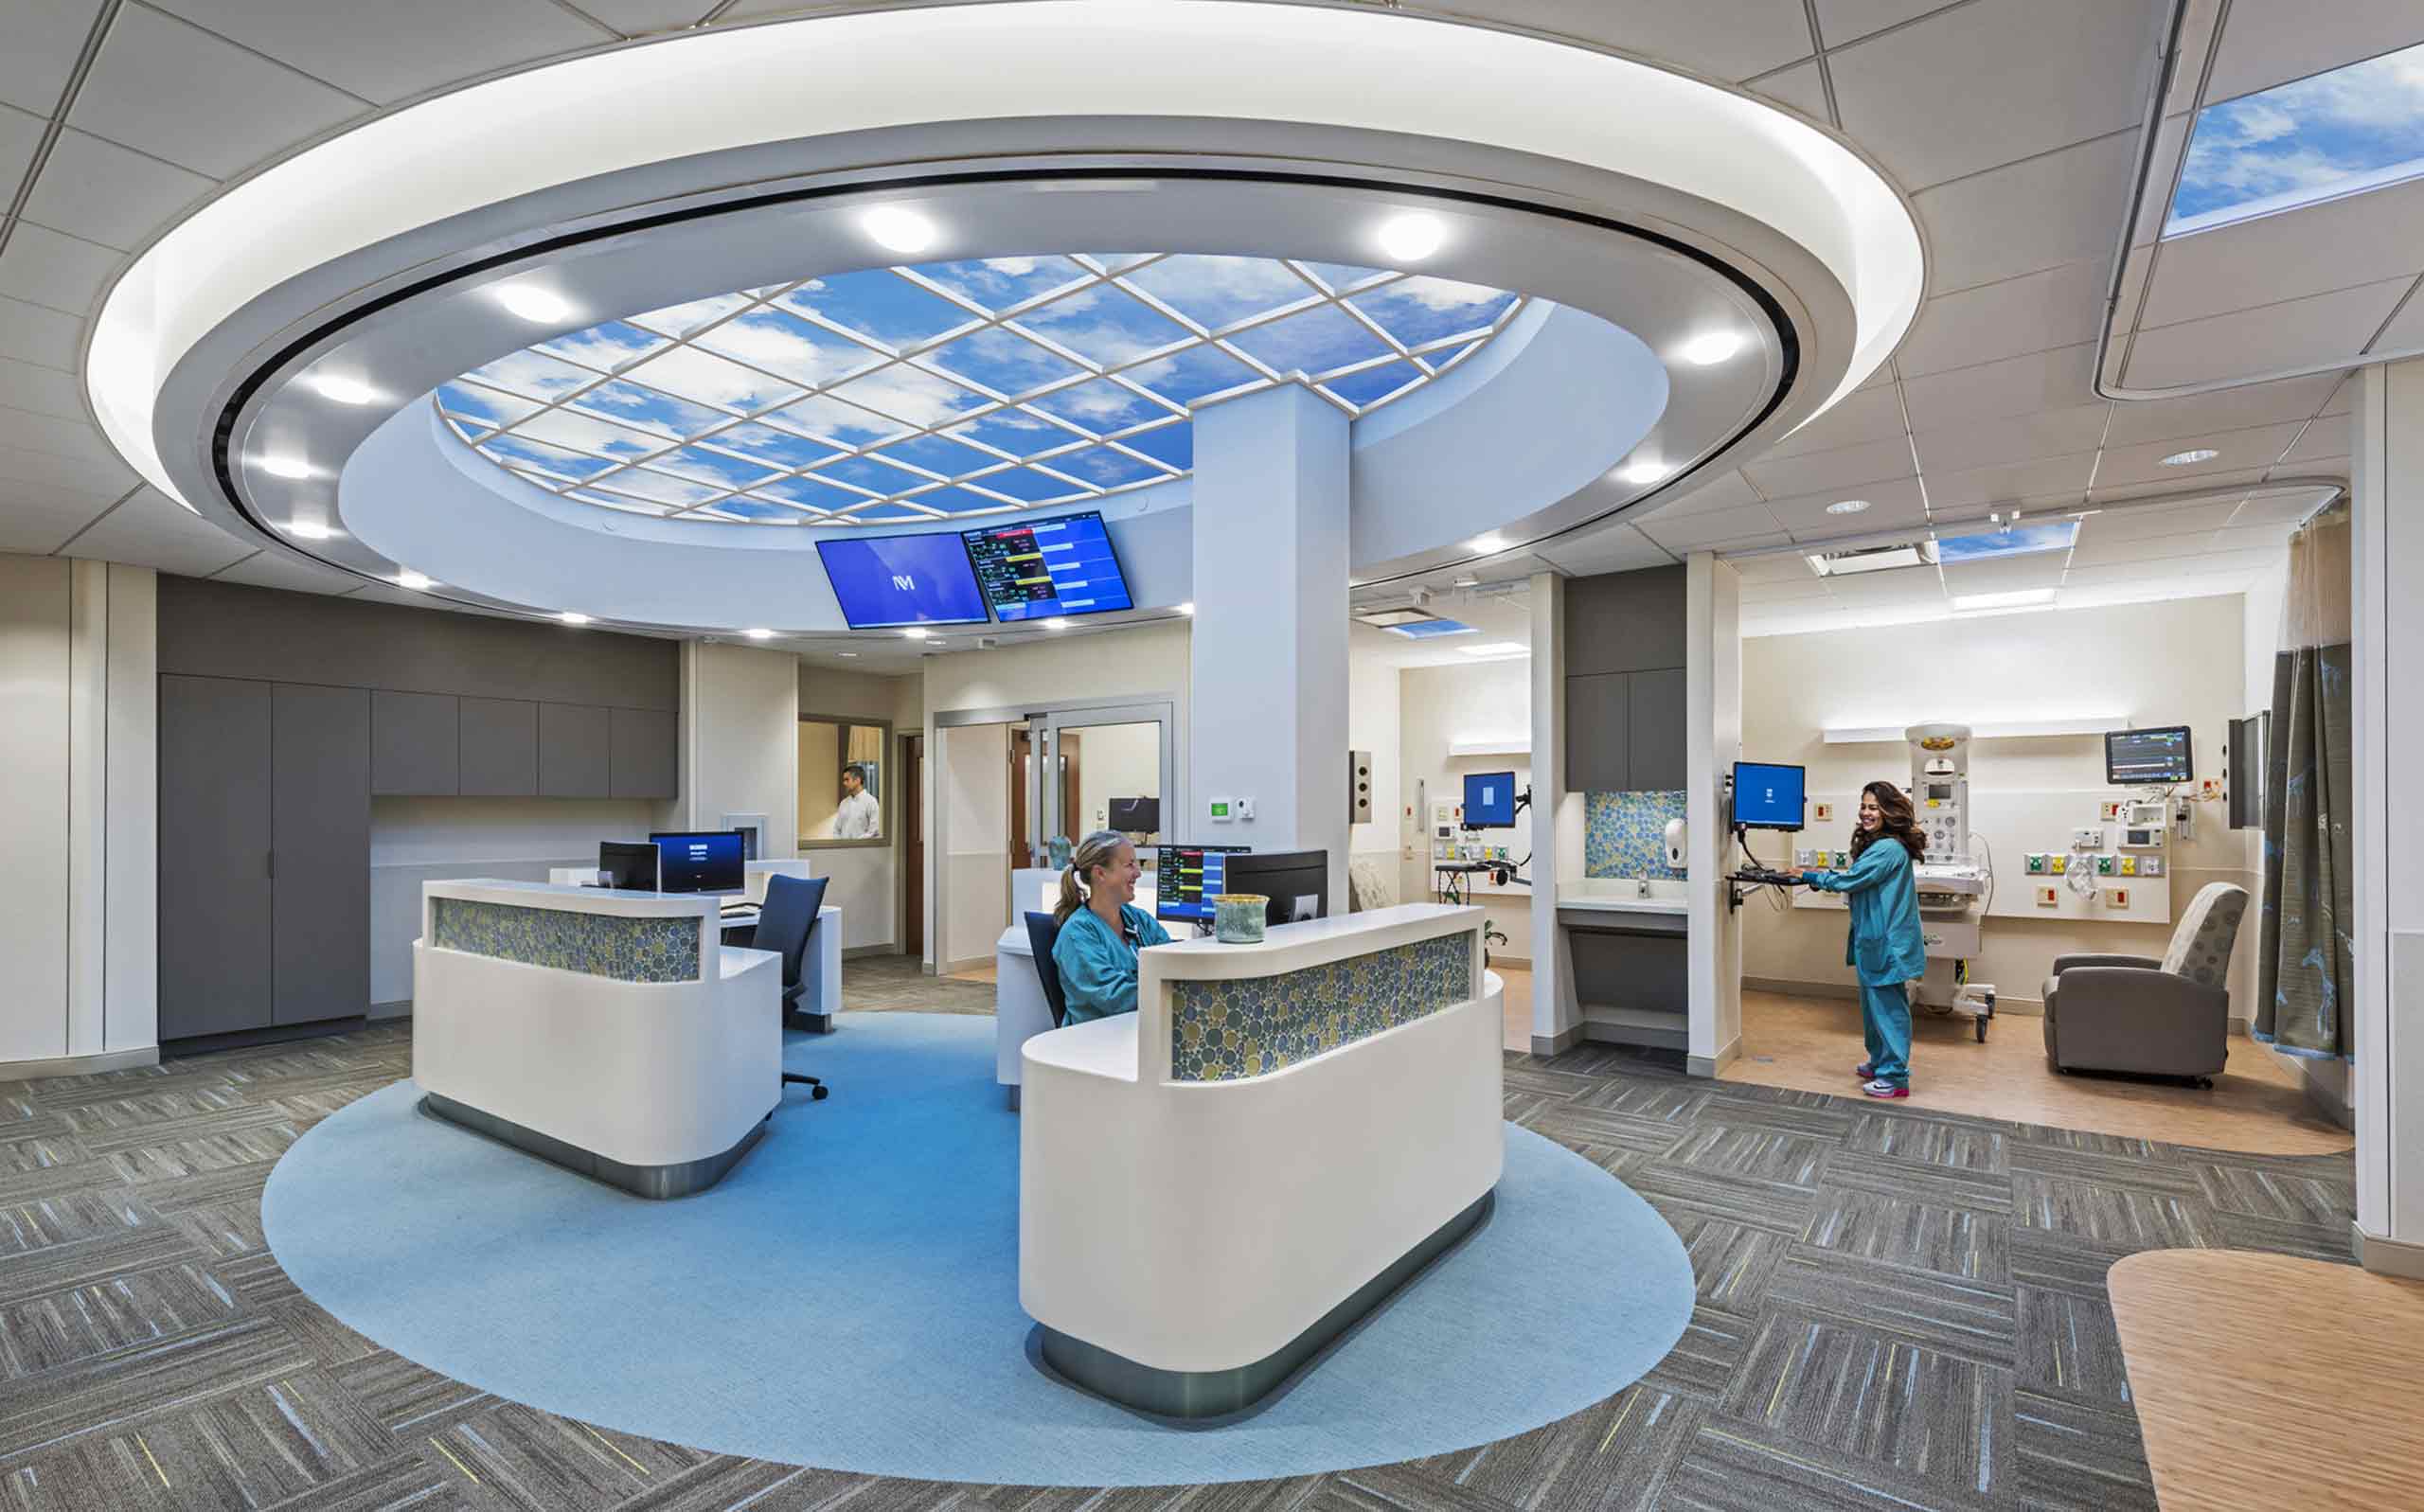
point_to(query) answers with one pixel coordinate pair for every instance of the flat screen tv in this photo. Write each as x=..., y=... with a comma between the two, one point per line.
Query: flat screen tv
x=884, y=583
x=1042, y=568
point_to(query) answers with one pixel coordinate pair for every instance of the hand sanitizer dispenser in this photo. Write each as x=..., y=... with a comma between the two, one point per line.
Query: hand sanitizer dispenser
x=1675, y=838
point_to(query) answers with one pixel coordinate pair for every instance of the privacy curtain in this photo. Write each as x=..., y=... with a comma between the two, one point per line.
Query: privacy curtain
x=2309, y=866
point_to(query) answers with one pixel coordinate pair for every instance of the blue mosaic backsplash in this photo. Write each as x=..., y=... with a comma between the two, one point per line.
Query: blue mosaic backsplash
x=608, y=945
x=1624, y=834
x=1221, y=1031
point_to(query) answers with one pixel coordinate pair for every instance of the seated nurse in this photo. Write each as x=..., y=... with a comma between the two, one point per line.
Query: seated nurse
x=1102, y=928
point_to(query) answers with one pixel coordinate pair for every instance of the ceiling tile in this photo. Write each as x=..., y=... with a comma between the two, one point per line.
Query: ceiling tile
x=2037, y=311
x=2338, y=244
x=152, y=531
x=2102, y=551
x=20, y=133
x=1840, y=468
x=2405, y=333
x=1731, y=39
x=1798, y=88
x=386, y=52
x=2323, y=441
x=1618, y=548
x=2295, y=333
x=107, y=193
x=43, y=41
x=1785, y=567
x=1692, y=531
x=2163, y=167
x=30, y=473
x=35, y=517
x=2016, y=385
x=2063, y=207
x=637, y=18
x=272, y=568
x=2012, y=439
x=1870, y=414
x=42, y=390
x=1979, y=486
x=1784, y=591
x=72, y=442
x=1727, y=491
x=1994, y=82
x=179, y=93
x=2209, y=485
x=2150, y=520
x=2253, y=538
x=2006, y=575
x=2232, y=409
x=1890, y=504
x=2143, y=462
x=1843, y=21
x=2272, y=42
x=2283, y=509
x=31, y=333
x=44, y=267
x=2344, y=396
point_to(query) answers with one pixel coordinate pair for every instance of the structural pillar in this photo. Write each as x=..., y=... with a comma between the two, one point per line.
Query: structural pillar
x=1267, y=656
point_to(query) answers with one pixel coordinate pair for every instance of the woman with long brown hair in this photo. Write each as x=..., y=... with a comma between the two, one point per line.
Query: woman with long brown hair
x=1102, y=928
x=1885, y=943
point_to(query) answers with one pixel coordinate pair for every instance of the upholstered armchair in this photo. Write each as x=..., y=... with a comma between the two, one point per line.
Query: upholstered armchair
x=2133, y=1013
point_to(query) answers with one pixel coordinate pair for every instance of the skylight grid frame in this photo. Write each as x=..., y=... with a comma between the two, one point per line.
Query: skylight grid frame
x=1427, y=358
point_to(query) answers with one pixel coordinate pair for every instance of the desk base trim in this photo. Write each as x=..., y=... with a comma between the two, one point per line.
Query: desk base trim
x=660, y=1182
x=1195, y=1394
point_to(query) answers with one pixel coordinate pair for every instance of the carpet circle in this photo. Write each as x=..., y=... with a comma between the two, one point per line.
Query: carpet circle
x=847, y=1296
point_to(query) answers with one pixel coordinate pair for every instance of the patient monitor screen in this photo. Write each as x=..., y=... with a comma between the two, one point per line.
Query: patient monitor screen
x=1188, y=878
x=2145, y=758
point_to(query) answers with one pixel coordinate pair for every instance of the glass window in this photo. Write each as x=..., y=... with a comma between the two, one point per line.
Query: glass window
x=843, y=796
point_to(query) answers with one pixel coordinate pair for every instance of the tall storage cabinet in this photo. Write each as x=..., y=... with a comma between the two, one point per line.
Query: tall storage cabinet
x=320, y=801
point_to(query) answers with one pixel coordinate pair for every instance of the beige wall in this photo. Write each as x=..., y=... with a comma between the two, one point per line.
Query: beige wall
x=975, y=873
x=866, y=880
x=2177, y=662
x=1375, y=713
x=1437, y=706
x=1115, y=762
x=740, y=738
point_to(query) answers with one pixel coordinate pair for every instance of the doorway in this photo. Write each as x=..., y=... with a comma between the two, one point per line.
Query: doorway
x=912, y=828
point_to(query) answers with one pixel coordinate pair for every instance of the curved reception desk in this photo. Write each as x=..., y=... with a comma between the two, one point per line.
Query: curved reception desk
x=612, y=1033
x=1215, y=1186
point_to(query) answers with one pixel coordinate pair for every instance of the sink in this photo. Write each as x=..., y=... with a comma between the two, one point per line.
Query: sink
x=1623, y=894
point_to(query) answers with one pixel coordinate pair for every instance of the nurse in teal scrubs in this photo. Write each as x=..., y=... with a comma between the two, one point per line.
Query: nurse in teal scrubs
x=1102, y=928
x=1885, y=943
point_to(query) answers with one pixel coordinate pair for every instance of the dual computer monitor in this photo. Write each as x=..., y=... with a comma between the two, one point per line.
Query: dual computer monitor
x=676, y=861
x=1188, y=878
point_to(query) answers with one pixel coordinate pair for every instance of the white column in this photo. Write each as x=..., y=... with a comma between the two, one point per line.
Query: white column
x=131, y=966
x=1557, y=843
x=1267, y=656
x=1713, y=709
x=2388, y=822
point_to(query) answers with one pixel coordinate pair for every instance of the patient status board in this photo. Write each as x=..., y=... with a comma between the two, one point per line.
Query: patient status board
x=1056, y=567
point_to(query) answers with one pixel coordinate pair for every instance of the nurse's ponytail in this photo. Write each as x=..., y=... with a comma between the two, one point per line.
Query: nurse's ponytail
x=1098, y=849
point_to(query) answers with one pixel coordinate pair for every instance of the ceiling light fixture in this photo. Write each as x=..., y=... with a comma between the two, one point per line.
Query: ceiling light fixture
x=1639, y=474
x=286, y=467
x=2019, y=598
x=2181, y=459
x=896, y=229
x=572, y=616
x=1847, y=506
x=1411, y=237
x=851, y=654
x=418, y=582
x=541, y=306
x=338, y=389
x=1709, y=350
x=1056, y=622
x=917, y=632
x=1187, y=608
x=1497, y=649
x=306, y=530
x=1493, y=541
x=759, y=634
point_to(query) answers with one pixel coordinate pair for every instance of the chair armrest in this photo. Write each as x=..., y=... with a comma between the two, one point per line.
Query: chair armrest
x=2122, y=1018
x=2144, y=962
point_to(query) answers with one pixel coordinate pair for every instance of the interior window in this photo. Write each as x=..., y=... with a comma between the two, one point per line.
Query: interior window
x=845, y=797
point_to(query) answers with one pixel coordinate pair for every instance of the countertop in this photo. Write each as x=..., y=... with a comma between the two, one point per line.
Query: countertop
x=1619, y=895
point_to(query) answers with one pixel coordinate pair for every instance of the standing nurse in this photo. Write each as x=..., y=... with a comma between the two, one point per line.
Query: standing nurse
x=1885, y=943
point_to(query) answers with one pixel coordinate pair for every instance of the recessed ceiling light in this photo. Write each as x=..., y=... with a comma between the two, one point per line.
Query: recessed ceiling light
x=1847, y=506
x=917, y=632
x=541, y=307
x=1711, y=348
x=572, y=616
x=898, y=230
x=2021, y=599
x=759, y=634
x=340, y=389
x=286, y=467
x=1411, y=237
x=306, y=530
x=2181, y=459
x=1497, y=649
x=1187, y=608
x=1641, y=473
x=1493, y=541
x=852, y=654
x=1056, y=622
x=416, y=582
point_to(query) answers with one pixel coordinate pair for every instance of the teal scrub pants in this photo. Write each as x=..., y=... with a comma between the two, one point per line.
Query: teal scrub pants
x=1886, y=1024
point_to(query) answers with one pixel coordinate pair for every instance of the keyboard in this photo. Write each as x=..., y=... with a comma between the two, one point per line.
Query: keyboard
x=739, y=908
x=1758, y=876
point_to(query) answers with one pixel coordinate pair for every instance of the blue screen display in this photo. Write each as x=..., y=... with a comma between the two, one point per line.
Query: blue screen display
x=1188, y=878
x=1767, y=797
x=705, y=863
x=887, y=581
x=1058, y=566
x=1490, y=800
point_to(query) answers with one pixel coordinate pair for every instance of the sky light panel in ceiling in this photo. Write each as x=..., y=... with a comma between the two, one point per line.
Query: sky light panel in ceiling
x=2352, y=129
x=949, y=389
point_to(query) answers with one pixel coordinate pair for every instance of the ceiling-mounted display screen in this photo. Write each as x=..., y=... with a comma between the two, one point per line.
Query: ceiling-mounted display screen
x=886, y=581
x=1052, y=567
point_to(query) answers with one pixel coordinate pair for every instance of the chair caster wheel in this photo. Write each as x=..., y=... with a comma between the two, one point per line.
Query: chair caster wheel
x=817, y=1094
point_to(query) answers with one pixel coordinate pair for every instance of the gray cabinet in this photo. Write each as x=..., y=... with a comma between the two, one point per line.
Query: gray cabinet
x=497, y=748
x=215, y=843
x=415, y=744
x=575, y=746
x=1658, y=747
x=1598, y=733
x=640, y=757
x=320, y=790
x=1624, y=622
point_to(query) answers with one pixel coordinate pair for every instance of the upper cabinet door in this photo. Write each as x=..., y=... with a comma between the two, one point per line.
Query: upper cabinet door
x=320, y=782
x=1660, y=761
x=573, y=752
x=499, y=748
x=415, y=744
x=1624, y=622
x=215, y=841
x=1598, y=733
x=641, y=759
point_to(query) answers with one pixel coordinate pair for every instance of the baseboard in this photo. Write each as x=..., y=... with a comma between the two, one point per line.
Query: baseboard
x=401, y=1009
x=2006, y=1003
x=852, y=952
x=970, y=962
x=2325, y=1100
x=79, y=1065
x=275, y=1034
x=2386, y=1256
x=1564, y=1040
x=1713, y=1067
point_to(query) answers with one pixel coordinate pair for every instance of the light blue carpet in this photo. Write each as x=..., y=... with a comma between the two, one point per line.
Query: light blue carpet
x=847, y=1297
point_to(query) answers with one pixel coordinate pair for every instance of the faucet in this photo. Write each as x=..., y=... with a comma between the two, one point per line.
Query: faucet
x=1641, y=886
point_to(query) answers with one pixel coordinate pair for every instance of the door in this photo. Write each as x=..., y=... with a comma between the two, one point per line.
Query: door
x=215, y=856
x=912, y=828
x=1099, y=764
x=1026, y=844
x=320, y=782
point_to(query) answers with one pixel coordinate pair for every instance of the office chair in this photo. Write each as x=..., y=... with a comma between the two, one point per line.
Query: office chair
x=785, y=920
x=1041, y=935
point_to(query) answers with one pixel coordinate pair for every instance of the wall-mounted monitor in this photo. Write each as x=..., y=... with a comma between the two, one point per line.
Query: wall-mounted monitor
x=1035, y=570
x=1187, y=877
x=1490, y=800
x=2147, y=759
x=1134, y=815
x=699, y=862
x=884, y=583
x=1768, y=796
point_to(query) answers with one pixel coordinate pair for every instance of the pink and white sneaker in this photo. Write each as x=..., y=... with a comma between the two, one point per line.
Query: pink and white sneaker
x=1865, y=1071
x=1885, y=1089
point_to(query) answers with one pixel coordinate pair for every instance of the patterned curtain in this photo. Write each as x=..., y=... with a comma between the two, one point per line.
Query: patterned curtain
x=2310, y=864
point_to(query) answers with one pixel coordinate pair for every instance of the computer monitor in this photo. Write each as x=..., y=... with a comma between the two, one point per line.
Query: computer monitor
x=1296, y=881
x=629, y=864
x=699, y=862
x=1046, y=569
x=1768, y=796
x=1135, y=816
x=1490, y=800
x=1187, y=877
x=2147, y=759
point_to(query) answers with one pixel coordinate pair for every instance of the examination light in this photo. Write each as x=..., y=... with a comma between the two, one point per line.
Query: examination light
x=898, y=230
x=1411, y=237
x=541, y=306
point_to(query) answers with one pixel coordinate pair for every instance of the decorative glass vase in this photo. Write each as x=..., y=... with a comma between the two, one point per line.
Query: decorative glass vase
x=1238, y=918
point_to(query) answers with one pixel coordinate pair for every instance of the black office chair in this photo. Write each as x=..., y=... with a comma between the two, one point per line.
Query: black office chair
x=1042, y=932
x=785, y=921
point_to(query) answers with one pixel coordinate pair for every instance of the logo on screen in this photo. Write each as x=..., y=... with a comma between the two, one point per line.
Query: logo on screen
x=904, y=583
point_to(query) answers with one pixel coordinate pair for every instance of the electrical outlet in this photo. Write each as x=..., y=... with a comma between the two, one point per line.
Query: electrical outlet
x=1823, y=812
x=2210, y=789
x=2036, y=864
x=2061, y=864
x=2129, y=865
x=2104, y=866
x=2048, y=897
x=2111, y=811
x=2116, y=896
x=2151, y=866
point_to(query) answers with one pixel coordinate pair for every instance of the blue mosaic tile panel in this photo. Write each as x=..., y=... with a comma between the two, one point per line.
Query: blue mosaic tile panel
x=1624, y=834
x=608, y=945
x=1221, y=1031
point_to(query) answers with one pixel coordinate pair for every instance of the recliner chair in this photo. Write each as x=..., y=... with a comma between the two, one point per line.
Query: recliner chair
x=2131, y=1013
